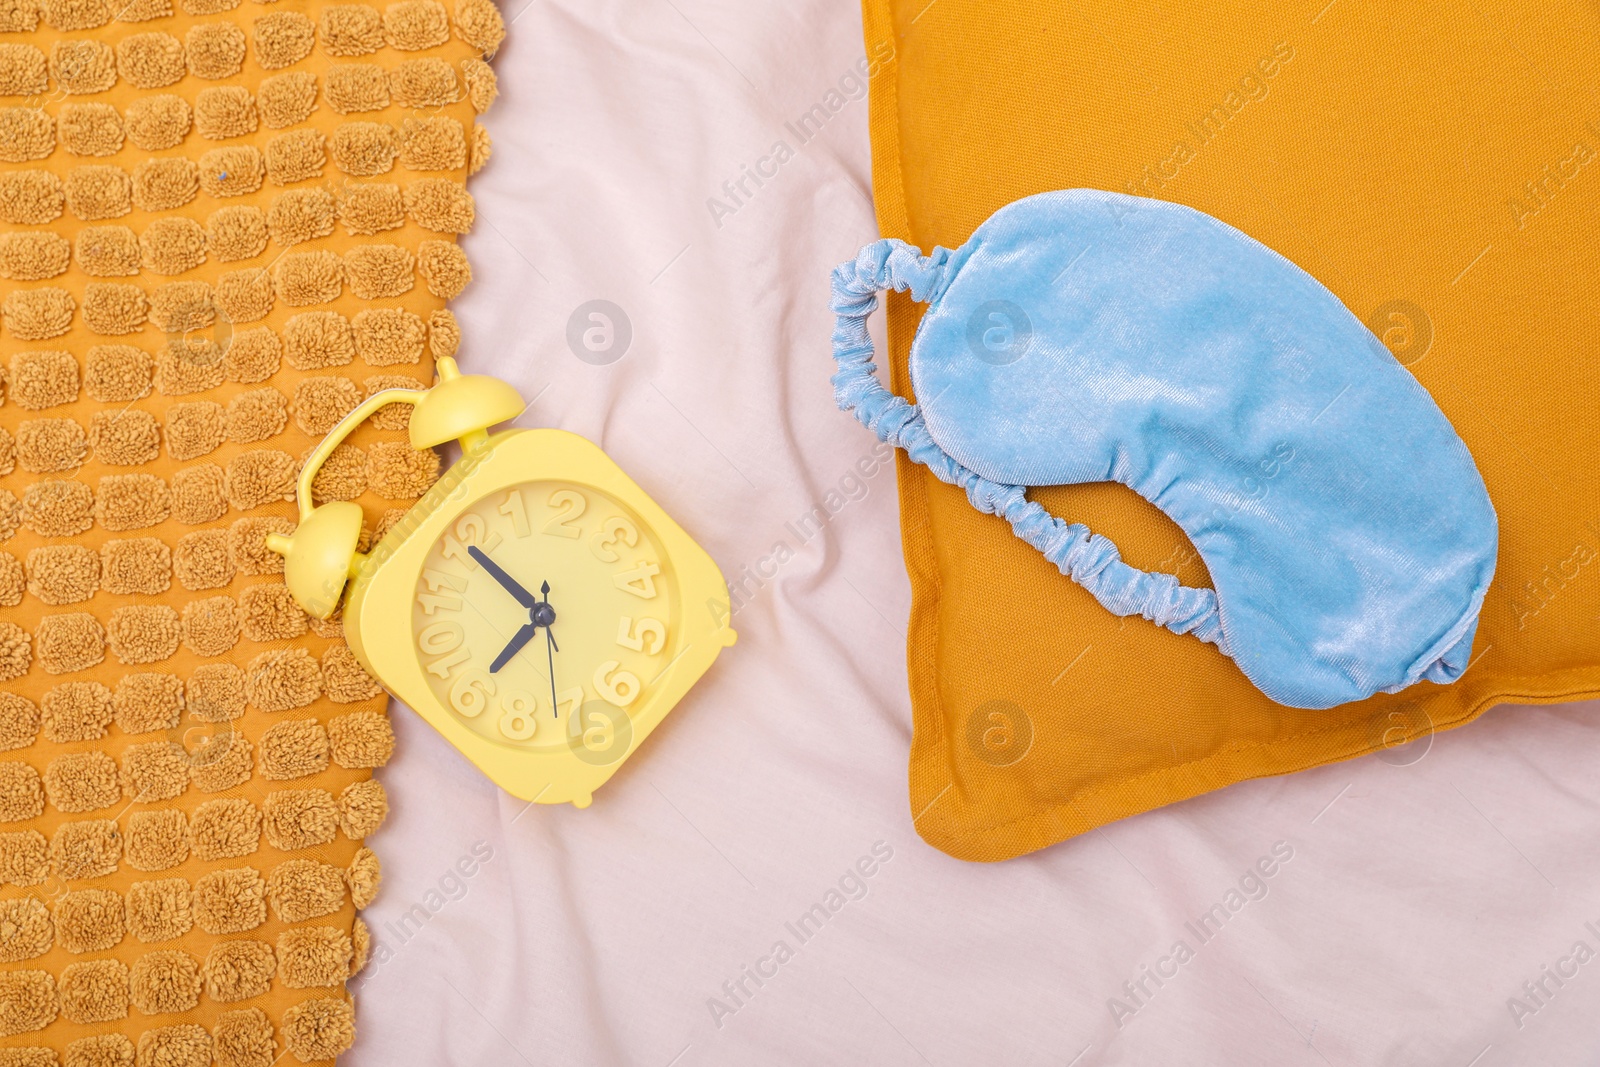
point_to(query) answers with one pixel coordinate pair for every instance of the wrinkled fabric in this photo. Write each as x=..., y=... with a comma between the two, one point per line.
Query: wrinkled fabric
x=1084, y=336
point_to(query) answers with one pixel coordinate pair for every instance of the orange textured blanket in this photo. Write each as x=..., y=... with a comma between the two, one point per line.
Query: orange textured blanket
x=222, y=225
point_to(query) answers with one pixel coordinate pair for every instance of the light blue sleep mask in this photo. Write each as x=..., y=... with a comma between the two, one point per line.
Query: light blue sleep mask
x=1086, y=336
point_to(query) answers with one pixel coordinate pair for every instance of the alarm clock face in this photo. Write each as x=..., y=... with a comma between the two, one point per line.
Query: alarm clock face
x=543, y=614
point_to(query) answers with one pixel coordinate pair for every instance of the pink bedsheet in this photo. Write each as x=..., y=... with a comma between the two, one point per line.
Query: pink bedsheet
x=749, y=889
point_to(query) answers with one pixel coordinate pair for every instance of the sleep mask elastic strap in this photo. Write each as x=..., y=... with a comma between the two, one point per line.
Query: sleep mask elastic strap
x=1091, y=561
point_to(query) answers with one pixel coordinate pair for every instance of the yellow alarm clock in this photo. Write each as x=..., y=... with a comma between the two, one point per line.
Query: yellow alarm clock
x=535, y=606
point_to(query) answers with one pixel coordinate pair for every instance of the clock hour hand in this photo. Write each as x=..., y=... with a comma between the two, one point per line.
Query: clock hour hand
x=518, y=639
x=525, y=598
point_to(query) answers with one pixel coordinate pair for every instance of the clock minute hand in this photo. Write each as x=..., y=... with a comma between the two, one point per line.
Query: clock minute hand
x=525, y=598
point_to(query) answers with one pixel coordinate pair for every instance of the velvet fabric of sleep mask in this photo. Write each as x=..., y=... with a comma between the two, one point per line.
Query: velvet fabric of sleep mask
x=1086, y=336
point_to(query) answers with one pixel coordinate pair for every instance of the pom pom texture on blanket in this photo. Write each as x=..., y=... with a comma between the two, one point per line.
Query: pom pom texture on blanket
x=222, y=224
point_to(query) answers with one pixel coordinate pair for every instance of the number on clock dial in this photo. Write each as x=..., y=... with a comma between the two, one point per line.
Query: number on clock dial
x=614, y=531
x=470, y=530
x=516, y=510
x=640, y=581
x=616, y=686
x=516, y=711
x=445, y=640
x=519, y=715
x=645, y=635
x=572, y=504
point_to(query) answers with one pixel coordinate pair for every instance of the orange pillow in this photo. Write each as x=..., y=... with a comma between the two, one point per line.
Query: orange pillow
x=1417, y=167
